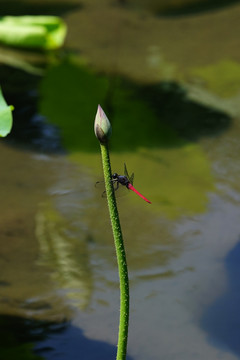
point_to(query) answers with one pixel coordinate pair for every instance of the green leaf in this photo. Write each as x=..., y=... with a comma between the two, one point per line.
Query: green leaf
x=5, y=116
x=44, y=32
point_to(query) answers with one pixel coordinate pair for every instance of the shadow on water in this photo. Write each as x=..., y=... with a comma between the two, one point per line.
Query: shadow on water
x=156, y=116
x=153, y=116
x=221, y=320
x=30, y=128
x=191, y=120
x=17, y=8
x=183, y=8
x=28, y=339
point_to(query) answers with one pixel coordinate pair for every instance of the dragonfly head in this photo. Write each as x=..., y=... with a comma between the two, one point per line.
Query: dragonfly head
x=115, y=176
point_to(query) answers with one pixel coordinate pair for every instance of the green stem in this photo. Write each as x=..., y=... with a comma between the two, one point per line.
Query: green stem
x=121, y=256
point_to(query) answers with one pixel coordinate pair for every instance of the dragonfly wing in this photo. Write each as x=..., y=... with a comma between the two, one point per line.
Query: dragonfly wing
x=126, y=172
x=131, y=178
x=101, y=185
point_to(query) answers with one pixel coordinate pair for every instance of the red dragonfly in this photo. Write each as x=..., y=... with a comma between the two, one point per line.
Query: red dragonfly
x=127, y=181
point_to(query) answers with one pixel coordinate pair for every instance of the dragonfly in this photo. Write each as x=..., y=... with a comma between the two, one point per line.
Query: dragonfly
x=125, y=180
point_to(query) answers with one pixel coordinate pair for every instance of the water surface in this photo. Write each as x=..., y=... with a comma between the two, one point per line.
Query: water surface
x=170, y=86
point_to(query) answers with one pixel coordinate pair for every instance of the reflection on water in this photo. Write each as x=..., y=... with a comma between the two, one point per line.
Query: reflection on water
x=65, y=255
x=25, y=288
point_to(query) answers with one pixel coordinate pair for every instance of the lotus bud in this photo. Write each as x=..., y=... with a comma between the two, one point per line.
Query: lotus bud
x=102, y=126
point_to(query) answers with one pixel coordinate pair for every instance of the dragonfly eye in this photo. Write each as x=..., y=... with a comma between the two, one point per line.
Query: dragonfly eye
x=115, y=176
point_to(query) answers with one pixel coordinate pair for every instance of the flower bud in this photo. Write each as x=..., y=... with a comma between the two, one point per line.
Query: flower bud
x=102, y=126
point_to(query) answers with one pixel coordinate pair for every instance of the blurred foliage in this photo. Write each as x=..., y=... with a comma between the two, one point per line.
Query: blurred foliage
x=42, y=32
x=5, y=116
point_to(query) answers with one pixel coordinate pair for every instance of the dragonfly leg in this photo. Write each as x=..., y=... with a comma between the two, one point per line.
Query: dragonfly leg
x=117, y=185
x=98, y=182
x=113, y=181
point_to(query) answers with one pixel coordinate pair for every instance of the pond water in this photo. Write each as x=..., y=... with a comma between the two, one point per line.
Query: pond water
x=171, y=89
